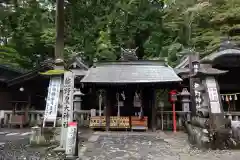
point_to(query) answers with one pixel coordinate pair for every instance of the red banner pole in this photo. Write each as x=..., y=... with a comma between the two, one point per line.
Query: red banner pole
x=174, y=118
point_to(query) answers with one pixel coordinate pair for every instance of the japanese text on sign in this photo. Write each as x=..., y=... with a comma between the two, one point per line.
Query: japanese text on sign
x=67, y=99
x=52, y=99
x=198, y=96
x=71, y=138
x=213, y=95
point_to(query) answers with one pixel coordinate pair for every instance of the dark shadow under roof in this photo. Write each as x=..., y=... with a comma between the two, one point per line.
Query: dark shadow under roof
x=131, y=72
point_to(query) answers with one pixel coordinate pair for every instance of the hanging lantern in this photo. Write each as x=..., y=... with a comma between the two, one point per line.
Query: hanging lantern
x=235, y=97
x=230, y=98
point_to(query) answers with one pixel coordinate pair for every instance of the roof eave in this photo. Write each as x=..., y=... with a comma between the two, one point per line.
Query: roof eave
x=29, y=75
x=153, y=82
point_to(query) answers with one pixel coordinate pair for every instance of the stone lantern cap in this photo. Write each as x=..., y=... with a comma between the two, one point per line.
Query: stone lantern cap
x=200, y=88
x=184, y=92
x=78, y=92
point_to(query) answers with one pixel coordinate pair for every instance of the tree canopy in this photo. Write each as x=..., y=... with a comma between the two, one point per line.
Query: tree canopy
x=99, y=28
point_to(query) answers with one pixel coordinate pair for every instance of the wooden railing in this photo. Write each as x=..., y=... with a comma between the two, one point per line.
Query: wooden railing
x=234, y=116
x=164, y=119
x=165, y=122
x=35, y=117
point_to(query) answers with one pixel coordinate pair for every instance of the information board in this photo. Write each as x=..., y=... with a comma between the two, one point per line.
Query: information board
x=52, y=101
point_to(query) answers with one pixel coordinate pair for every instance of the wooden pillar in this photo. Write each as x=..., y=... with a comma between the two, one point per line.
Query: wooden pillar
x=108, y=107
x=153, y=107
x=29, y=103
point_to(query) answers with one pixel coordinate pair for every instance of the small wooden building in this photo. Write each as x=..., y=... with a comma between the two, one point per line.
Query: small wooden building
x=127, y=92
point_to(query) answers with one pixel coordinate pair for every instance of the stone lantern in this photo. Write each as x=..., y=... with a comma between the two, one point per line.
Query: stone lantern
x=185, y=96
x=77, y=101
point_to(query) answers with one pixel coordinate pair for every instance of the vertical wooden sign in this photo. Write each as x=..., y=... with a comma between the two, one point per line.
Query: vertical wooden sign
x=67, y=109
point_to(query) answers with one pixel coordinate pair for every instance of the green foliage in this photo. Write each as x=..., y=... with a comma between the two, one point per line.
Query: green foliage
x=105, y=50
x=94, y=28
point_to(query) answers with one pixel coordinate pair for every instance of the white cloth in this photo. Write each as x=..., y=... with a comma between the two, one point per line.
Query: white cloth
x=1, y=114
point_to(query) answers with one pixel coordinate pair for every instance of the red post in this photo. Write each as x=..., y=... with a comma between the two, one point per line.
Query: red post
x=174, y=118
x=173, y=99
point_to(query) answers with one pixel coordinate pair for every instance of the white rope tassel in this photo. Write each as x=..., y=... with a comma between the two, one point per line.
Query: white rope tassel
x=118, y=105
x=223, y=98
x=235, y=97
x=123, y=96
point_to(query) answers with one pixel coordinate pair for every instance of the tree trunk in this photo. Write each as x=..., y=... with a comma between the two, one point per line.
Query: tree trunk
x=59, y=48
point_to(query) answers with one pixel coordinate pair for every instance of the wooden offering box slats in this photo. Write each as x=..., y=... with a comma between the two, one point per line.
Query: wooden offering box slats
x=139, y=123
x=115, y=122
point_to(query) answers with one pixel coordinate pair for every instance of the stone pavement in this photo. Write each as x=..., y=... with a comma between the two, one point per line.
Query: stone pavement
x=18, y=150
x=146, y=146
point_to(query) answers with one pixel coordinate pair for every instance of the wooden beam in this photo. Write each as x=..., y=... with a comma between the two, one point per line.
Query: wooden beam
x=153, y=107
x=108, y=109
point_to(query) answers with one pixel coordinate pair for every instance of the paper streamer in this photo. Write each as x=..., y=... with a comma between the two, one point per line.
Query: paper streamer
x=227, y=98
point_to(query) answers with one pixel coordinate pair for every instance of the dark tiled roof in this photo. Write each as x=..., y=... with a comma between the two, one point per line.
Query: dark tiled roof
x=183, y=63
x=13, y=68
x=210, y=58
x=204, y=70
x=30, y=74
x=131, y=72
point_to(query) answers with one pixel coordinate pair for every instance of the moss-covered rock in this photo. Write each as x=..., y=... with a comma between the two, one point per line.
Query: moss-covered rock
x=53, y=72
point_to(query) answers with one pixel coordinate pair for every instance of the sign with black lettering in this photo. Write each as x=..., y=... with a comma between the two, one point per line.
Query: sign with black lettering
x=67, y=110
x=52, y=99
x=213, y=95
x=71, y=138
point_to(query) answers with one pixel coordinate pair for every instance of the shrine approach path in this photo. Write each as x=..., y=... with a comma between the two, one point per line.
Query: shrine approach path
x=147, y=146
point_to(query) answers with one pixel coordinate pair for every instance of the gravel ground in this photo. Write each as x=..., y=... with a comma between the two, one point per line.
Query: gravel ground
x=121, y=146
x=18, y=150
x=147, y=146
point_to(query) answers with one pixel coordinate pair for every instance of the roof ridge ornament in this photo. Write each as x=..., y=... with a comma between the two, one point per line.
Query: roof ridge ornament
x=128, y=54
x=95, y=60
x=227, y=44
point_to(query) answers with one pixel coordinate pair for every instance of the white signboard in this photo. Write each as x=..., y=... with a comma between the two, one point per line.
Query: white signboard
x=213, y=95
x=67, y=110
x=52, y=99
x=71, y=138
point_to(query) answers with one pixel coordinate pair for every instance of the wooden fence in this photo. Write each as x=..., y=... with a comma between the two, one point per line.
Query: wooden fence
x=164, y=119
